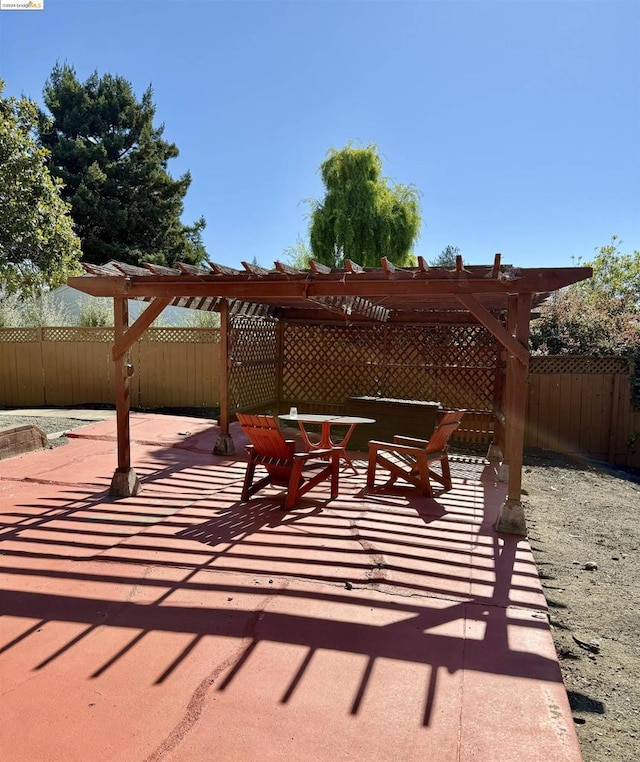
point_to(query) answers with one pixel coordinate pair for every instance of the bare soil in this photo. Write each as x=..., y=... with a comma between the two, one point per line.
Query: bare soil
x=583, y=523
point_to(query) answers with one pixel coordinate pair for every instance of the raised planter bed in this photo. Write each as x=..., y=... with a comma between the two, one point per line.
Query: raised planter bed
x=15, y=440
x=411, y=418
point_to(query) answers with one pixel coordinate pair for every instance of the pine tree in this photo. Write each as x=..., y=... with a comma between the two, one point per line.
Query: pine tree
x=113, y=163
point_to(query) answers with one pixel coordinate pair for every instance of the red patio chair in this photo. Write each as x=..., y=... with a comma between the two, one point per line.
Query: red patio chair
x=284, y=466
x=409, y=459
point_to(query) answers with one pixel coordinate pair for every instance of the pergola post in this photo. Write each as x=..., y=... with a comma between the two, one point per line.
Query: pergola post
x=507, y=390
x=495, y=453
x=125, y=482
x=224, y=443
x=512, y=519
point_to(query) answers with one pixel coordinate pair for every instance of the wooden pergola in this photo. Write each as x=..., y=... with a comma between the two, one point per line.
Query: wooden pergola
x=499, y=297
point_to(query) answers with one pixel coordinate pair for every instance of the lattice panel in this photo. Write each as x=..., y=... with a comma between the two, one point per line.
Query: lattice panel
x=182, y=335
x=408, y=383
x=452, y=364
x=349, y=346
x=253, y=341
x=465, y=345
x=573, y=364
x=324, y=364
x=69, y=333
x=19, y=335
x=321, y=382
x=254, y=363
x=471, y=388
x=251, y=386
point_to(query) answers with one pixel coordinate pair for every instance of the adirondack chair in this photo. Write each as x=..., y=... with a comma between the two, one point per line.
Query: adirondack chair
x=409, y=459
x=284, y=466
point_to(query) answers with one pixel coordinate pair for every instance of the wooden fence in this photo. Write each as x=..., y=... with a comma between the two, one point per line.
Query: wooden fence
x=173, y=367
x=583, y=405
x=576, y=405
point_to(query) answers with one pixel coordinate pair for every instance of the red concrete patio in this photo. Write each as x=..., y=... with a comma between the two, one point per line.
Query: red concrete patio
x=180, y=624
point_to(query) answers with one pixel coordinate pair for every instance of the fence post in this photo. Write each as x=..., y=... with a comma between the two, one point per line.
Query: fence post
x=43, y=378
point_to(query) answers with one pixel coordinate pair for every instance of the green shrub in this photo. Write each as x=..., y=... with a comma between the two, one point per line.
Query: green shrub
x=599, y=316
x=31, y=311
x=95, y=313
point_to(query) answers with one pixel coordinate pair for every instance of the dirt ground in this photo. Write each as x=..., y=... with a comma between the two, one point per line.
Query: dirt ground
x=584, y=528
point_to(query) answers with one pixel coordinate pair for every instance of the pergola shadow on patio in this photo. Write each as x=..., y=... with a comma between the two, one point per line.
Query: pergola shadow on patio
x=180, y=623
x=497, y=299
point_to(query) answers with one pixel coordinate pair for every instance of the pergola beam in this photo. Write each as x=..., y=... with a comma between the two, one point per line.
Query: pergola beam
x=445, y=317
x=352, y=306
x=276, y=286
x=130, y=335
x=509, y=342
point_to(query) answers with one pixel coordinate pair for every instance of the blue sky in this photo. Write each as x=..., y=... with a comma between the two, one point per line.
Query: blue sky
x=519, y=122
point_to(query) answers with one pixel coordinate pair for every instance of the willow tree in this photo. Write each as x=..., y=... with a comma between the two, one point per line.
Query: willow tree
x=363, y=216
x=113, y=163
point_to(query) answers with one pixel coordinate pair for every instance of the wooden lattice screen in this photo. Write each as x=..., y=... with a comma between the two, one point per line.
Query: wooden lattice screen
x=455, y=365
x=77, y=334
x=577, y=364
x=253, y=357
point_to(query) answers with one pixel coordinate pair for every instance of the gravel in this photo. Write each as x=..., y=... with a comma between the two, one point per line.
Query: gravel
x=54, y=428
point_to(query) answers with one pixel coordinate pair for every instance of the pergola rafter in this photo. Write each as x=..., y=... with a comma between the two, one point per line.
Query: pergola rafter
x=497, y=296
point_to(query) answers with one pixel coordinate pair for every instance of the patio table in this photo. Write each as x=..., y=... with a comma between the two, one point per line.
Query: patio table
x=326, y=422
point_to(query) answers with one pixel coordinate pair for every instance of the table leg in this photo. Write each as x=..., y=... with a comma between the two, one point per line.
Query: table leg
x=342, y=445
x=326, y=442
x=322, y=444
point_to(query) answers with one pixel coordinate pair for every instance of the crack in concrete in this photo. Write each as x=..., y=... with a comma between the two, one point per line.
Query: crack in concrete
x=377, y=559
x=197, y=703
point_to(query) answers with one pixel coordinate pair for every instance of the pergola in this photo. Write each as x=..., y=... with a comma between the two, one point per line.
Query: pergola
x=499, y=297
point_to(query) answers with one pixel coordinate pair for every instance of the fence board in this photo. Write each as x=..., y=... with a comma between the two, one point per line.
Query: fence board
x=154, y=375
x=584, y=434
x=633, y=438
x=21, y=381
x=207, y=375
x=553, y=429
x=533, y=411
x=53, y=362
x=625, y=422
x=565, y=421
x=32, y=391
x=576, y=408
x=542, y=420
x=599, y=409
x=8, y=373
x=627, y=440
x=177, y=370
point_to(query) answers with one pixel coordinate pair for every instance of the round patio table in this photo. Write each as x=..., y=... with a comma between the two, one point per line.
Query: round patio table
x=326, y=422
